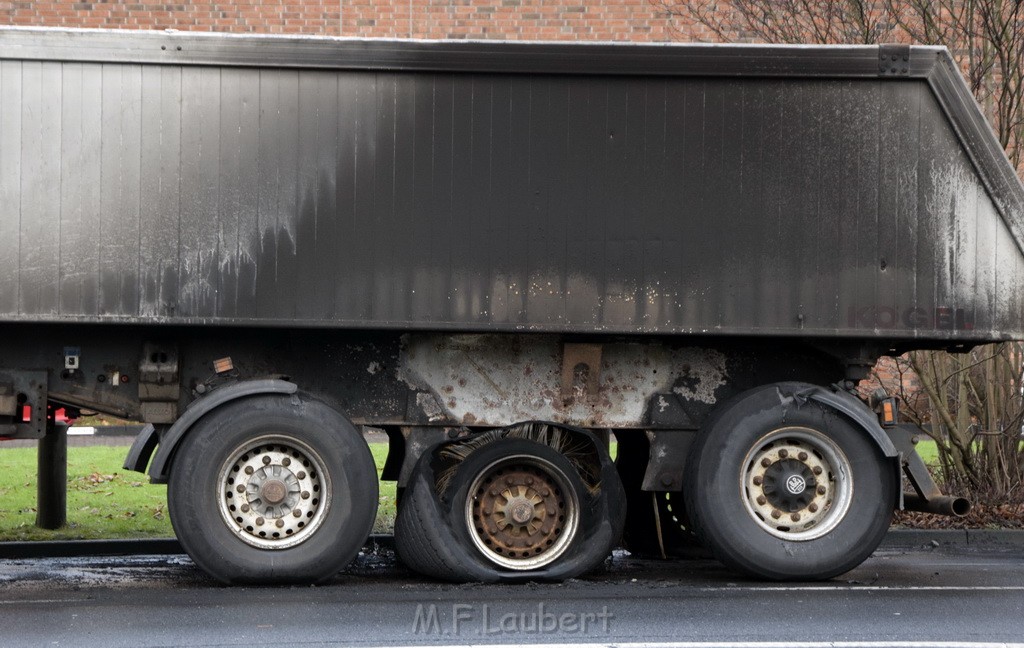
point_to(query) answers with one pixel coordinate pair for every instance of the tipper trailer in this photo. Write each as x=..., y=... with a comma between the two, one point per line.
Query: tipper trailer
x=500, y=254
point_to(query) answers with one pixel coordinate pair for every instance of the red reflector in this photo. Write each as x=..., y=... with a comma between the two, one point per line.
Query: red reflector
x=26, y=413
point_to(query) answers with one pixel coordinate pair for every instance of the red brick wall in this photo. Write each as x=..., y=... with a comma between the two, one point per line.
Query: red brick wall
x=895, y=376
x=273, y=16
x=636, y=20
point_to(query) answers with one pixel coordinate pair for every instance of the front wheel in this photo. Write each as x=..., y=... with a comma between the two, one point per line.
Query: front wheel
x=273, y=489
x=788, y=490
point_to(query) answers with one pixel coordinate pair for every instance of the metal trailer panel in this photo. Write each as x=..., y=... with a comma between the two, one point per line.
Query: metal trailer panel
x=492, y=187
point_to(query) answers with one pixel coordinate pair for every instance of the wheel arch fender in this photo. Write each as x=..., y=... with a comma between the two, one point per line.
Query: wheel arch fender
x=849, y=406
x=170, y=439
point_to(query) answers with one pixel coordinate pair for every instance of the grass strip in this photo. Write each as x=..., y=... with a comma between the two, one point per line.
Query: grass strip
x=107, y=502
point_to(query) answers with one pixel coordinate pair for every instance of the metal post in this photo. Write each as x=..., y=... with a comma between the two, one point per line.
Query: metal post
x=52, y=479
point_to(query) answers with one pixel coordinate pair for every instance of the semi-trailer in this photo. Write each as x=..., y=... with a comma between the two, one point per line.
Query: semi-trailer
x=503, y=255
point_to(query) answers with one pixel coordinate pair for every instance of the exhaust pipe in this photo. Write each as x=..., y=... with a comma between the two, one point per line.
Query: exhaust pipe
x=942, y=505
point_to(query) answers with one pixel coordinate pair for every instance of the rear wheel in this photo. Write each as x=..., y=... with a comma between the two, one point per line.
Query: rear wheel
x=786, y=490
x=273, y=489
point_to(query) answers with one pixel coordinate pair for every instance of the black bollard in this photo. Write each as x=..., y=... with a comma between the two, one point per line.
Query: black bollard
x=52, y=477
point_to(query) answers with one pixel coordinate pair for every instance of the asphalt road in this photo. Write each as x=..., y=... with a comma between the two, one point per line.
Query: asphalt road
x=932, y=596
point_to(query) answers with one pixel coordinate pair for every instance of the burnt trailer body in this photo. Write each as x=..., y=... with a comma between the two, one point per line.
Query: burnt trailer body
x=496, y=252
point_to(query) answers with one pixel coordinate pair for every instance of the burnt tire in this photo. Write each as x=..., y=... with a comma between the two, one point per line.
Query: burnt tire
x=273, y=489
x=788, y=489
x=436, y=536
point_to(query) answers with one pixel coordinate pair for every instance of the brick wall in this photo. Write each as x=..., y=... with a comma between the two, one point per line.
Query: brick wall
x=635, y=20
x=895, y=376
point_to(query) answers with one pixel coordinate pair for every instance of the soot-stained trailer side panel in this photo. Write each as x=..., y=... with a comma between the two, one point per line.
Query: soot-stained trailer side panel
x=495, y=201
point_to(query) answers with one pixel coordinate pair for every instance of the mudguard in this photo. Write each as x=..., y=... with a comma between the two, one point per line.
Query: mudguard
x=846, y=404
x=138, y=455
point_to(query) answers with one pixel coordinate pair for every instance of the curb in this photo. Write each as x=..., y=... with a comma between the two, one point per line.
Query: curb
x=894, y=539
x=152, y=546
x=915, y=538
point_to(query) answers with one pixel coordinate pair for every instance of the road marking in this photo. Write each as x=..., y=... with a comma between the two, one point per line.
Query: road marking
x=867, y=588
x=871, y=588
x=33, y=601
x=743, y=644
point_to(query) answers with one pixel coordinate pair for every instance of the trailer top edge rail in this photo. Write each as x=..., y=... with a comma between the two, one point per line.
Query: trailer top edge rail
x=525, y=57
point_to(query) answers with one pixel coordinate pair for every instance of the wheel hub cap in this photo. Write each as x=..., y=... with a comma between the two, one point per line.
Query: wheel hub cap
x=273, y=492
x=522, y=513
x=789, y=485
x=797, y=484
x=520, y=510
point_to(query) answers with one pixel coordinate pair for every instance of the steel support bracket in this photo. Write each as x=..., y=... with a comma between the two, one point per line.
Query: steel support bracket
x=913, y=466
x=666, y=463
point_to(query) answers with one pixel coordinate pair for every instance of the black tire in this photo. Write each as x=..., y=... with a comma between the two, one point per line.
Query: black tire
x=433, y=536
x=336, y=505
x=727, y=511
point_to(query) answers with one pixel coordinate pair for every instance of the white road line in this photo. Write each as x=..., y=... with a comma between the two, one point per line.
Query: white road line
x=34, y=601
x=744, y=644
x=864, y=588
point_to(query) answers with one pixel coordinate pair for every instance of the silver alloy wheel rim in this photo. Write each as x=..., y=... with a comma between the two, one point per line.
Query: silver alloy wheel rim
x=823, y=506
x=560, y=514
x=274, y=492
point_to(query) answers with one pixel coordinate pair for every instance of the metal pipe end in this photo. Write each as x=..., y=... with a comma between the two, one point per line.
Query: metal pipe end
x=942, y=505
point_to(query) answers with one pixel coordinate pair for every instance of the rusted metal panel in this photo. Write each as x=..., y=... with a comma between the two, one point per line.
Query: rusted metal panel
x=777, y=200
x=495, y=380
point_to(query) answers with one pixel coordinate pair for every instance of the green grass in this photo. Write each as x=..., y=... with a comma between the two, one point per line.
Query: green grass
x=106, y=501
x=928, y=451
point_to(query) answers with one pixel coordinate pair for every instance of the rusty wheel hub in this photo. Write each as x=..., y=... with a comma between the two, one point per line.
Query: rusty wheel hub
x=522, y=512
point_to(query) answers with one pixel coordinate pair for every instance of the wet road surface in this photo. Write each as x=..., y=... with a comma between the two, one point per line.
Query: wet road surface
x=930, y=596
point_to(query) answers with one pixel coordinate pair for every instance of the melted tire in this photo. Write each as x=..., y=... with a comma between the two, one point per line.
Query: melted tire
x=715, y=492
x=432, y=536
x=225, y=551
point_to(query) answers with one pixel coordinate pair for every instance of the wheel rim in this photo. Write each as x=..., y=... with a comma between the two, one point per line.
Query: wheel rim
x=274, y=492
x=522, y=512
x=797, y=484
